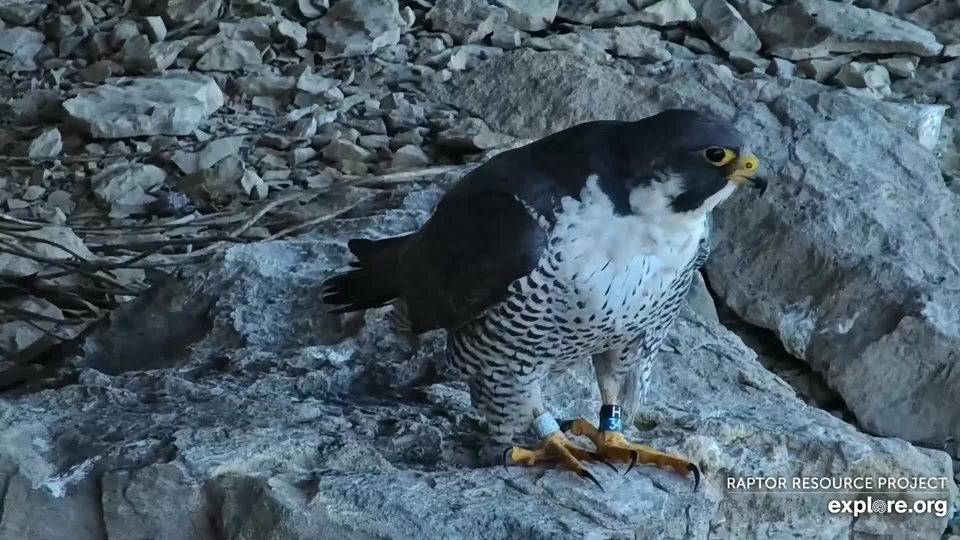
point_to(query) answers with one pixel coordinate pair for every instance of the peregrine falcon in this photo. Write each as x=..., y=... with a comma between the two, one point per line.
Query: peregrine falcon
x=581, y=244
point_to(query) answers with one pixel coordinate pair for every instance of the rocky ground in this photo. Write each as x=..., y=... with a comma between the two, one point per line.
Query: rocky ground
x=178, y=177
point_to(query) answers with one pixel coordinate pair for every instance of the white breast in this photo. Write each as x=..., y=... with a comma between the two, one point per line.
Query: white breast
x=610, y=255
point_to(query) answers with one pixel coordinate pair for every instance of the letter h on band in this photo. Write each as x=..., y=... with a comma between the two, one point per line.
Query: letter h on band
x=610, y=418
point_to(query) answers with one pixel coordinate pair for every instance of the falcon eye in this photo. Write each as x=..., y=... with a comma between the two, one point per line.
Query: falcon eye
x=718, y=156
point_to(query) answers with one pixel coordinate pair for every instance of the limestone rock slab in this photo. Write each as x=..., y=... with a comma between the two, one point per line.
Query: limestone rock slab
x=802, y=29
x=173, y=104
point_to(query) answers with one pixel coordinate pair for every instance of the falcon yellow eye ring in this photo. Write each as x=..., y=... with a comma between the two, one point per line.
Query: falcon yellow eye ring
x=719, y=156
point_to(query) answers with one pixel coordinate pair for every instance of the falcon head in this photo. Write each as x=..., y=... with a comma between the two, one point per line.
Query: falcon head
x=686, y=162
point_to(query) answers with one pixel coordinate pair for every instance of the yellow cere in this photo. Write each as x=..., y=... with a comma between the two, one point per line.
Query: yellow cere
x=748, y=165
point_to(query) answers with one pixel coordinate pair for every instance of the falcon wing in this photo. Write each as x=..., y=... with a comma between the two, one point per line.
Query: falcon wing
x=461, y=263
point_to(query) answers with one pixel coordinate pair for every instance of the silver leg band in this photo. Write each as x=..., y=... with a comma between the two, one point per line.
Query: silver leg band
x=545, y=425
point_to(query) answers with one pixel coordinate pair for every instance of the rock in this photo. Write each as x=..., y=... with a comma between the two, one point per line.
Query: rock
x=16, y=204
x=14, y=265
x=860, y=75
x=748, y=61
x=308, y=8
x=871, y=214
x=435, y=44
x=61, y=200
x=264, y=85
x=412, y=137
x=155, y=29
x=305, y=127
x=638, y=42
x=409, y=157
x=131, y=507
x=139, y=55
x=22, y=14
x=374, y=142
x=212, y=152
x=373, y=126
x=938, y=16
x=952, y=50
x=123, y=32
x=591, y=11
x=803, y=29
x=181, y=11
x=172, y=104
x=344, y=150
x=247, y=414
x=17, y=336
x=781, y=68
x=349, y=166
x=750, y=8
x=314, y=83
x=529, y=15
x=100, y=46
x=901, y=66
x=666, y=13
x=727, y=28
x=127, y=183
x=256, y=29
x=401, y=114
x=47, y=144
x=700, y=301
x=299, y=156
x=632, y=42
x=467, y=21
x=219, y=184
x=467, y=56
x=471, y=135
x=359, y=27
x=60, y=27
x=291, y=32
x=80, y=12
x=23, y=43
x=598, y=92
x=822, y=69
x=230, y=55
x=408, y=16
x=98, y=72
x=254, y=186
x=505, y=37
x=697, y=45
x=924, y=122
x=33, y=193
x=349, y=134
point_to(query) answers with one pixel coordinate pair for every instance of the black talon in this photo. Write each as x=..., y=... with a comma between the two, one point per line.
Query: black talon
x=634, y=456
x=597, y=457
x=505, y=452
x=565, y=425
x=586, y=474
x=696, y=476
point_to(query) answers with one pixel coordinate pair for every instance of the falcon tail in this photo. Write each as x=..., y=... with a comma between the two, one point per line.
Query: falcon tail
x=375, y=280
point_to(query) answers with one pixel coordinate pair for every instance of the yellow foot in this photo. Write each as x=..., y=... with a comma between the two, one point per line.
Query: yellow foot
x=556, y=447
x=612, y=445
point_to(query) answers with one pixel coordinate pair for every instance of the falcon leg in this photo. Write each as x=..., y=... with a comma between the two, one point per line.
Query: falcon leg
x=609, y=438
x=555, y=448
x=613, y=446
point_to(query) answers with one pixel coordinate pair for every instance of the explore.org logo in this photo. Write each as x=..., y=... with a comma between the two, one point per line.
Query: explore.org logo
x=880, y=506
x=856, y=495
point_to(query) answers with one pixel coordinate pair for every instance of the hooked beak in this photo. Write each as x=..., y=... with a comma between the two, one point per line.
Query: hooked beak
x=743, y=171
